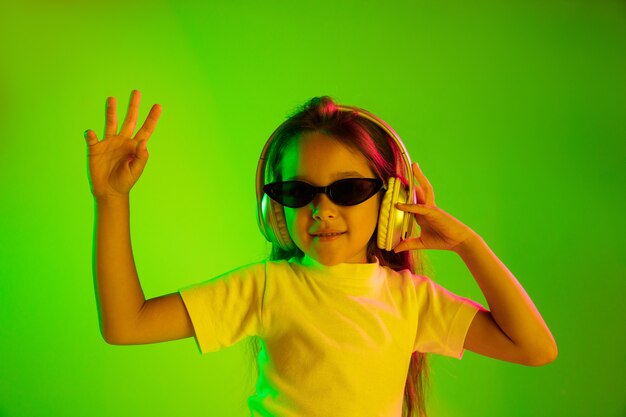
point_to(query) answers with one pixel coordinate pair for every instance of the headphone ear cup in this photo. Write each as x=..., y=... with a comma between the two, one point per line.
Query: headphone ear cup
x=390, y=219
x=274, y=223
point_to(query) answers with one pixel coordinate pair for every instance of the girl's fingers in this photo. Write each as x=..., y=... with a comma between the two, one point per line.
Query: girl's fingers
x=409, y=244
x=148, y=126
x=413, y=208
x=425, y=188
x=421, y=198
x=110, y=125
x=90, y=137
x=131, y=115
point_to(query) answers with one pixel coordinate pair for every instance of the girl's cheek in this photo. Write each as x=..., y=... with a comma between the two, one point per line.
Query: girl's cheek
x=292, y=218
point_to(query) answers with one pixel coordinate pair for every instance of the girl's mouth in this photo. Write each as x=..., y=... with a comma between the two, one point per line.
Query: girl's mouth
x=325, y=237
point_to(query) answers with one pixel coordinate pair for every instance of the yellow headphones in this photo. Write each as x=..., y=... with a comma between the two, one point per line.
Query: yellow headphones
x=393, y=225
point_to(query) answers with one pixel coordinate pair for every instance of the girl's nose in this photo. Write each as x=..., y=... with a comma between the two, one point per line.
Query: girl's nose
x=323, y=207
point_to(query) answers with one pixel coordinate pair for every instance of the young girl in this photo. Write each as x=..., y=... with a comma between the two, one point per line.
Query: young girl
x=342, y=313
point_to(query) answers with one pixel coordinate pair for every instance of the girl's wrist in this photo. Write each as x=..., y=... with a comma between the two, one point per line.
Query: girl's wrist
x=473, y=241
x=111, y=200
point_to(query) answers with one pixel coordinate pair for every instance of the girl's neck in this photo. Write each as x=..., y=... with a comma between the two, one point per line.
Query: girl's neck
x=309, y=261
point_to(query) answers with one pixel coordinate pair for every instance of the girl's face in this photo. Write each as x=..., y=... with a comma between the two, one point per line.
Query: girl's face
x=319, y=160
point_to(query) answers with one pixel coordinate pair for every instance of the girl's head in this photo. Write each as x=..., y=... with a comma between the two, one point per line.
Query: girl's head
x=319, y=145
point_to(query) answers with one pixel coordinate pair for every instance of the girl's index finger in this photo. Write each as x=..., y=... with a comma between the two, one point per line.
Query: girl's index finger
x=110, y=117
x=150, y=123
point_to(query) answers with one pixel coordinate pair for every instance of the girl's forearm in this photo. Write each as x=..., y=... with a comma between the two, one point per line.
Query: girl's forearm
x=118, y=290
x=510, y=305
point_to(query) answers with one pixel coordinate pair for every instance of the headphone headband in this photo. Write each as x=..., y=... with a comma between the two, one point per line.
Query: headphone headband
x=261, y=166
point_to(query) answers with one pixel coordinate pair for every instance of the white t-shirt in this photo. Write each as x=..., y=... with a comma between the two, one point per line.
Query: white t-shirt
x=335, y=341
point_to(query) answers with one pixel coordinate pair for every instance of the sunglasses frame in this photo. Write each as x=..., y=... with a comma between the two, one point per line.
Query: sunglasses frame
x=269, y=190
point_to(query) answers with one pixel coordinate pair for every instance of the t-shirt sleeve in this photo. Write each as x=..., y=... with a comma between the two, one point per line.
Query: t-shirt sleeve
x=227, y=308
x=443, y=318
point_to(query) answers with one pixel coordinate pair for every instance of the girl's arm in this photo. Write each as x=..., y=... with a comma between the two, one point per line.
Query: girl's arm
x=513, y=330
x=115, y=164
x=125, y=315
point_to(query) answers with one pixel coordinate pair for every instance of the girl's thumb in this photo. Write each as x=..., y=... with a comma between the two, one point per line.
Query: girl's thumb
x=90, y=137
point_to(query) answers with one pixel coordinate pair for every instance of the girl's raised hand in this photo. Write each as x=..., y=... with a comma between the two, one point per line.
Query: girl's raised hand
x=117, y=161
x=439, y=230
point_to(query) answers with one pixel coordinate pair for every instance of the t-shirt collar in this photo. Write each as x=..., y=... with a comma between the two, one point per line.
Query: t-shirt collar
x=361, y=275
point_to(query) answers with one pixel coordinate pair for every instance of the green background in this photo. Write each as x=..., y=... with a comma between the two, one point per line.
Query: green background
x=514, y=110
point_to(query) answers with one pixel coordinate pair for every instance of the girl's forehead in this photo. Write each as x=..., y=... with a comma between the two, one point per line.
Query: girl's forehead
x=318, y=157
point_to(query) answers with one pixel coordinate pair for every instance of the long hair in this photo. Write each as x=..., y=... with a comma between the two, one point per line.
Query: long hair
x=320, y=114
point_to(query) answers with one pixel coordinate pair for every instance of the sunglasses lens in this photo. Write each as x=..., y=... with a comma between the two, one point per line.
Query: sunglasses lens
x=290, y=193
x=352, y=191
x=347, y=192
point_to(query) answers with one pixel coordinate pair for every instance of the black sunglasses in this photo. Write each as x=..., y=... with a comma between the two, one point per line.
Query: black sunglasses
x=344, y=192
